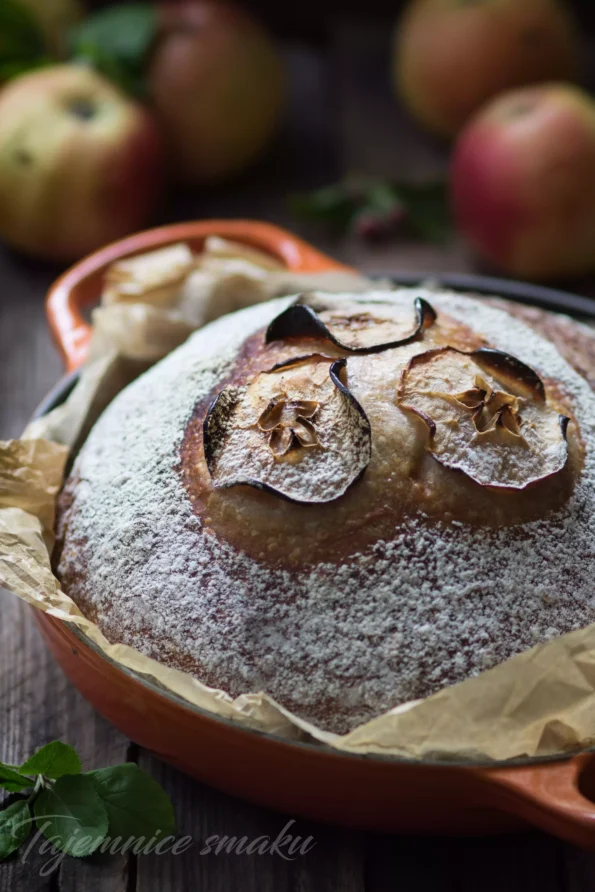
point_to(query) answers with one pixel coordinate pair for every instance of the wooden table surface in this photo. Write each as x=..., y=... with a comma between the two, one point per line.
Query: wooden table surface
x=342, y=119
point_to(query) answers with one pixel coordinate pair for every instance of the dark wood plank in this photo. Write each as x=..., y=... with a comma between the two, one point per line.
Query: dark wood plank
x=531, y=862
x=29, y=365
x=335, y=862
x=523, y=863
x=579, y=870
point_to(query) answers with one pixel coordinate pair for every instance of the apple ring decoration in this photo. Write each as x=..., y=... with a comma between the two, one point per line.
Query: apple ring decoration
x=351, y=326
x=487, y=415
x=295, y=431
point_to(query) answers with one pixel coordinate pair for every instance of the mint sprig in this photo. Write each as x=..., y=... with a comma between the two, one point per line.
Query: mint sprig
x=376, y=208
x=15, y=827
x=12, y=780
x=72, y=812
x=135, y=803
x=77, y=811
x=53, y=760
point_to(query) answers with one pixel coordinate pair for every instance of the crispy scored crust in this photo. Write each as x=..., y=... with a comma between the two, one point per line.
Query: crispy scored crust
x=415, y=578
x=402, y=478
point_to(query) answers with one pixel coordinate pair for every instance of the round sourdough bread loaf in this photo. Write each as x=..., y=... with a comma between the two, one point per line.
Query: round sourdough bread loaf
x=347, y=502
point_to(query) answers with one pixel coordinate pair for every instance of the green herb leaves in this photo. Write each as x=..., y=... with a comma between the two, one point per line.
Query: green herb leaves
x=72, y=815
x=135, y=803
x=78, y=811
x=15, y=827
x=116, y=41
x=12, y=780
x=53, y=760
x=373, y=208
x=427, y=209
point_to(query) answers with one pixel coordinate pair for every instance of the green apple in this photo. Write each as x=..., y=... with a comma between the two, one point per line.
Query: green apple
x=80, y=163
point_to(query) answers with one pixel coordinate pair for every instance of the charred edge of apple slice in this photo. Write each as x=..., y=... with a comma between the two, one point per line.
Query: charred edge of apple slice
x=209, y=436
x=496, y=362
x=266, y=487
x=564, y=422
x=426, y=314
x=300, y=320
x=500, y=363
x=424, y=357
x=337, y=367
x=335, y=372
x=431, y=425
x=299, y=360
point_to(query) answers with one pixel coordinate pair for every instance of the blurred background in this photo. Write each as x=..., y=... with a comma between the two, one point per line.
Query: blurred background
x=427, y=135
x=314, y=20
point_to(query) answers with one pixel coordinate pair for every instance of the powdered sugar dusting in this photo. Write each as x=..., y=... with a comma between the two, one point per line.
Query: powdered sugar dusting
x=466, y=435
x=339, y=429
x=430, y=607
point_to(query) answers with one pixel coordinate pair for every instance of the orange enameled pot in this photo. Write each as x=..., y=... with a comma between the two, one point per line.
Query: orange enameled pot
x=301, y=779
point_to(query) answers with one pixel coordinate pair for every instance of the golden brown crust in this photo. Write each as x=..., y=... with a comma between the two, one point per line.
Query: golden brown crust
x=402, y=477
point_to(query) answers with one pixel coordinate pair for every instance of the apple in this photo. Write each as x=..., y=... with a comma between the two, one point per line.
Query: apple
x=523, y=182
x=452, y=56
x=54, y=18
x=217, y=86
x=80, y=163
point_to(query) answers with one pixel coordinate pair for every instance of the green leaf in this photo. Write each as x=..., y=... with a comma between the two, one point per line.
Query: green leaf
x=334, y=203
x=15, y=827
x=125, y=31
x=12, y=780
x=136, y=804
x=53, y=760
x=72, y=815
x=116, y=41
x=383, y=198
x=113, y=69
x=427, y=210
x=21, y=40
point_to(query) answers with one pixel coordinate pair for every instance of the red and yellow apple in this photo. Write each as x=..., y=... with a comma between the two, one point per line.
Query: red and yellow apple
x=218, y=88
x=523, y=182
x=451, y=56
x=80, y=163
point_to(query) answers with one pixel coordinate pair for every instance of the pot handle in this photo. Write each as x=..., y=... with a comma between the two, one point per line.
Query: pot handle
x=80, y=286
x=549, y=796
